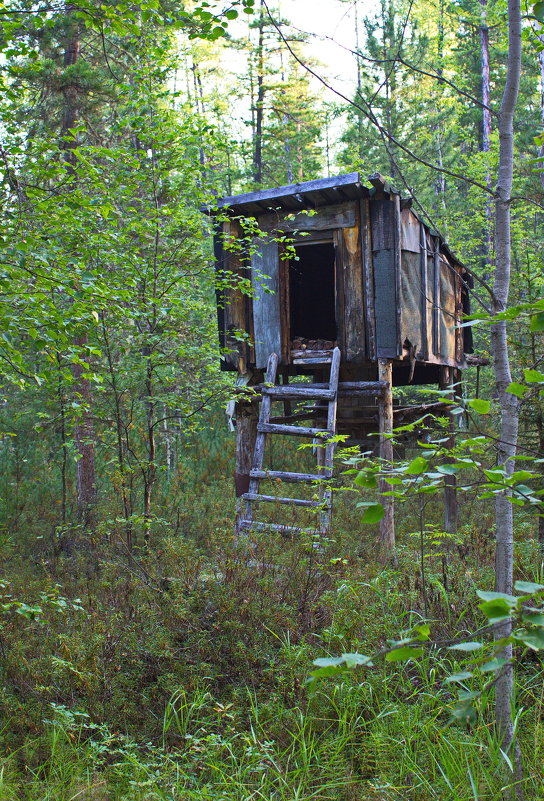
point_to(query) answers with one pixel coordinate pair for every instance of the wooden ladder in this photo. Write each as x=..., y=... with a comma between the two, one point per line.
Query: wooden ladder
x=272, y=392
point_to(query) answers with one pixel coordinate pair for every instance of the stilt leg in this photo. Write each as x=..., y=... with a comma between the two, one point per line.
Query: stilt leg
x=451, y=509
x=247, y=415
x=387, y=523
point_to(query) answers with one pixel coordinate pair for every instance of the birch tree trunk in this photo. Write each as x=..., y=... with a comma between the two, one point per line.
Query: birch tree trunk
x=509, y=404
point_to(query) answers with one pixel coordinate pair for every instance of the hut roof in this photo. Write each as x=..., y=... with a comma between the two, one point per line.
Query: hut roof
x=311, y=195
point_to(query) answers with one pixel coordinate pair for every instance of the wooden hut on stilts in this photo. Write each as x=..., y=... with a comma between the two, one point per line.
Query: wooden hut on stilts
x=350, y=288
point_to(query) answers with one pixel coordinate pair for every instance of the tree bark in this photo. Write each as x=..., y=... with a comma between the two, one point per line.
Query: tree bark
x=259, y=105
x=486, y=132
x=509, y=404
x=84, y=428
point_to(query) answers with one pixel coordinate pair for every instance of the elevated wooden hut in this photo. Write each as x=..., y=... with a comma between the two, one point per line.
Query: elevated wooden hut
x=337, y=266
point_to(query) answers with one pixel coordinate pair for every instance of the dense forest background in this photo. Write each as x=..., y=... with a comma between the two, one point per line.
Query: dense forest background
x=141, y=656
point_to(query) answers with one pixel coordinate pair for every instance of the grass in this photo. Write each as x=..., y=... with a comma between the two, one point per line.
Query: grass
x=184, y=677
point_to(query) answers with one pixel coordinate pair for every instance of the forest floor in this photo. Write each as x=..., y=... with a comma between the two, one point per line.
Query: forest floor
x=179, y=671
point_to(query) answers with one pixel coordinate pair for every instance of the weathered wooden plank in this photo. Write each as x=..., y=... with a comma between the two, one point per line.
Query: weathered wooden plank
x=410, y=231
x=260, y=440
x=314, y=360
x=311, y=354
x=333, y=406
x=362, y=386
x=247, y=413
x=300, y=392
x=234, y=304
x=264, y=195
x=327, y=218
x=383, y=225
x=281, y=475
x=354, y=317
x=398, y=269
x=257, y=498
x=257, y=526
x=368, y=277
x=339, y=306
x=296, y=431
x=266, y=300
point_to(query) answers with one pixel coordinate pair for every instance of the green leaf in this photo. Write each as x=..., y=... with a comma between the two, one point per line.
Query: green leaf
x=417, y=466
x=491, y=596
x=466, y=646
x=494, y=664
x=538, y=11
x=462, y=676
x=447, y=469
x=528, y=587
x=353, y=660
x=517, y=389
x=532, y=639
x=537, y=320
x=422, y=631
x=332, y=670
x=327, y=661
x=403, y=654
x=364, y=479
x=479, y=405
x=533, y=376
x=533, y=617
x=373, y=513
x=496, y=609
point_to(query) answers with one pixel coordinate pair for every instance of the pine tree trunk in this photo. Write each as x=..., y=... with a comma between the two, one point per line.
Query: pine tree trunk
x=84, y=429
x=259, y=105
x=509, y=403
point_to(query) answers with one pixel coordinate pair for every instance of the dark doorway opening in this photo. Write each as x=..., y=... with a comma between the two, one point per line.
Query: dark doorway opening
x=311, y=292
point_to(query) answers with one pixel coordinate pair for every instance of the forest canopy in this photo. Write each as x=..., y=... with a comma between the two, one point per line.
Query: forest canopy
x=146, y=651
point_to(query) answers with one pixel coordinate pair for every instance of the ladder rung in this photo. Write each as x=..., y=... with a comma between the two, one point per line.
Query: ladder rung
x=318, y=360
x=254, y=496
x=307, y=478
x=299, y=393
x=254, y=525
x=296, y=431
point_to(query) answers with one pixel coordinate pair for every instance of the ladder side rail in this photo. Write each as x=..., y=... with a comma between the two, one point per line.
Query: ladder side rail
x=260, y=441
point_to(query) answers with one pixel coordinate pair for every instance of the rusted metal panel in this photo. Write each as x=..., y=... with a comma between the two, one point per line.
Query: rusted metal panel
x=328, y=218
x=265, y=279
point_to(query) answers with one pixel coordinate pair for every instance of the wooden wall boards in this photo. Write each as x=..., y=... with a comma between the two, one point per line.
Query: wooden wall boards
x=337, y=261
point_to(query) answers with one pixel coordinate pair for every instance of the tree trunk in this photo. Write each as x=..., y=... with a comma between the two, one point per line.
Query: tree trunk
x=486, y=132
x=84, y=429
x=509, y=404
x=259, y=105
x=538, y=27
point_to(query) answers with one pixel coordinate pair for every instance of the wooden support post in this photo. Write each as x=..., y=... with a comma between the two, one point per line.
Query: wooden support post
x=247, y=415
x=387, y=523
x=451, y=509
